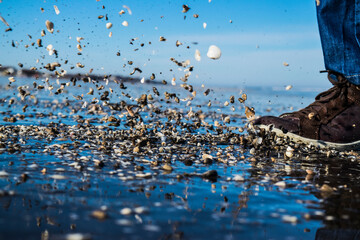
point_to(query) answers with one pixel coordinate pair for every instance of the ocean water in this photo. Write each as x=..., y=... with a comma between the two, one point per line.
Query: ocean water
x=269, y=198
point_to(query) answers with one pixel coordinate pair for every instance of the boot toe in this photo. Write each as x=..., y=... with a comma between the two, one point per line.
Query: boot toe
x=286, y=125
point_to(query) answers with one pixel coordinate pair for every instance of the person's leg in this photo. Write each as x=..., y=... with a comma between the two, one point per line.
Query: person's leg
x=333, y=120
x=339, y=27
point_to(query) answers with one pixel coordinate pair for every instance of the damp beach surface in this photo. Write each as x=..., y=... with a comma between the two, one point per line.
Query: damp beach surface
x=110, y=127
x=70, y=171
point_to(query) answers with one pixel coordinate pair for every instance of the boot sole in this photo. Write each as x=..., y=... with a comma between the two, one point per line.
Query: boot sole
x=317, y=143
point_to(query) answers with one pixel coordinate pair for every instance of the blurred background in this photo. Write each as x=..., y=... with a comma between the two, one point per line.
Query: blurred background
x=263, y=43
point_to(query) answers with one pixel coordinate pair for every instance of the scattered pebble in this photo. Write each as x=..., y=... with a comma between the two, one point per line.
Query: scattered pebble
x=326, y=188
x=197, y=55
x=238, y=178
x=77, y=236
x=98, y=214
x=185, y=8
x=141, y=210
x=214, y=52
x=167, y=167
x=109, y=25
x=126, y=211
x=289, y=152
x=288, y=87
x=56, y=10
x=281, y=184
x=211, y=175
x=49, y=26
x=3, y=174
x=290, y=219
x=58, y=177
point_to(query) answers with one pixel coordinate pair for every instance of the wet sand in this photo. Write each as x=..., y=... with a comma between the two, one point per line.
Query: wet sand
x=135, y=167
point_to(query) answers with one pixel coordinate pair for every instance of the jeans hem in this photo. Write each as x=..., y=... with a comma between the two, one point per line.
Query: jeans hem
x=354, y=79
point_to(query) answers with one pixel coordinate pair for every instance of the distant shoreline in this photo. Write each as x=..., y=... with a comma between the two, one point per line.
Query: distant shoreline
x=32, y=73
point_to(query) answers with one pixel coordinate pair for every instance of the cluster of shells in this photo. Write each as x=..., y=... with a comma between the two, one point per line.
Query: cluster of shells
x=155, y=129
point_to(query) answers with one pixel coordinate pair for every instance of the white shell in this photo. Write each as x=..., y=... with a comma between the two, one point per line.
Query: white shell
x=50, y=49
x=126, y=211
x=280, y=184
x=108, y=25
x=125, y=23
x=214, y=52
x=128, y=9
x=3, y=174
x=238, y=178
x=197, y=55
x=56, y=10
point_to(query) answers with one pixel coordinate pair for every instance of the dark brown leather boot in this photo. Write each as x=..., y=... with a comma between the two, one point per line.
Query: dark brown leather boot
x=333, y=120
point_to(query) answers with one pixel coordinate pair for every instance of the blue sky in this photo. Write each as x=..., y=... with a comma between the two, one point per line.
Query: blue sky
x=262, y=36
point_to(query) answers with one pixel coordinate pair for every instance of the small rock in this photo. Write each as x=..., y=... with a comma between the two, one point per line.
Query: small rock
x=197, y=55
x=289, y=219
x=56, y=10
x=326, y=188
x=98, y=214
x=280, y=184
x=214, y=52
x=125, y=23
x=167, y=167
x=3, y=174
x=77, y=236
x=109, y=25
x=238, y=178
x=211, y=175
x=49, y=26
x=252, y=151
x=141, y=210
x=185, y=8
x=126, y=211
x=58, y=177
x=136, y=149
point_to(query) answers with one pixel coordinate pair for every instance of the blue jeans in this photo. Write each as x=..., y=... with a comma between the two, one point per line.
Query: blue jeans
x=339, y=26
